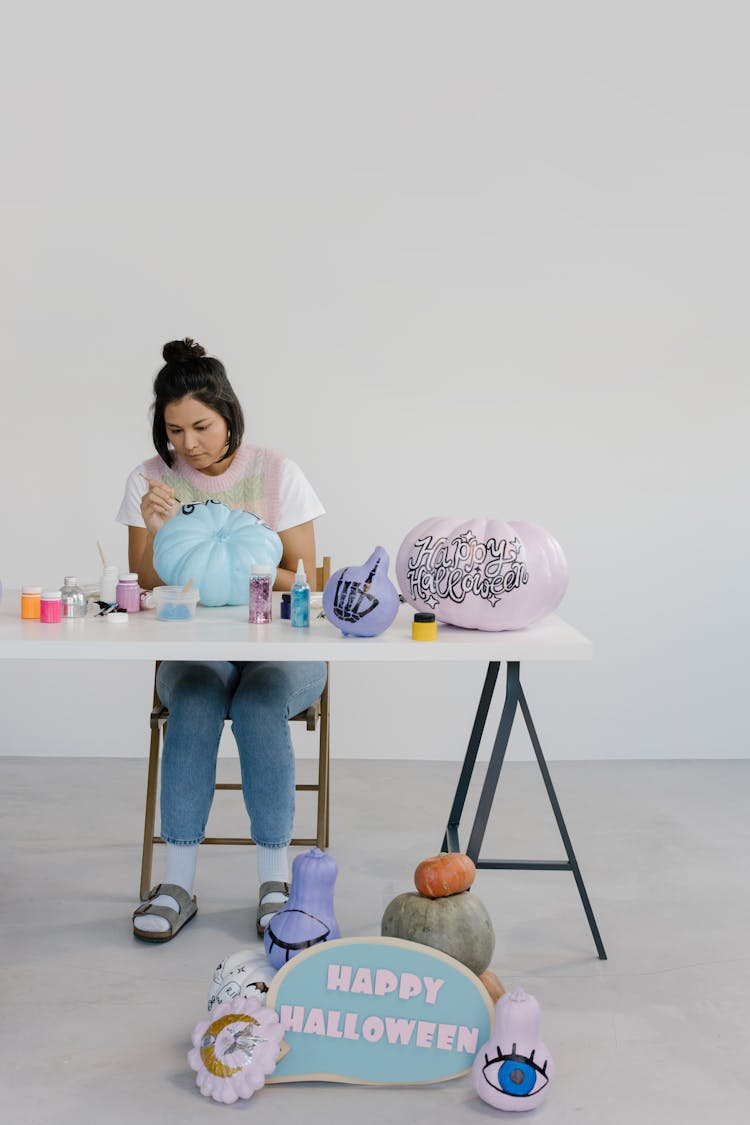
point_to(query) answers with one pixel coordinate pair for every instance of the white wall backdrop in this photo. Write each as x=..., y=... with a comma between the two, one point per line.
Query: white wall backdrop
x=477, y=258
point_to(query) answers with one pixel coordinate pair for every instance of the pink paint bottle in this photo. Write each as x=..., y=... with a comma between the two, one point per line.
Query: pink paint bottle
x=128, y=593
x=50, y=607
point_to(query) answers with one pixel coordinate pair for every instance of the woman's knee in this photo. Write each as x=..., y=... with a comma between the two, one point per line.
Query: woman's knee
x=278, y=689
x=199, y=683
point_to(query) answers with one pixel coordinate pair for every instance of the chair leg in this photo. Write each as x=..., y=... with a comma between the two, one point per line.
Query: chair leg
x=324, y=776
x=322, y=836
x=150, y=817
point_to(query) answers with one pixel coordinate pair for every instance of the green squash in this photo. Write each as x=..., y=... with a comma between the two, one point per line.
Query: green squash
x=458, y=925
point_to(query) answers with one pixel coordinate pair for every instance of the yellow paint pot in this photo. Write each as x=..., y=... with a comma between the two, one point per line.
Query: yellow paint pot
x=424, y=627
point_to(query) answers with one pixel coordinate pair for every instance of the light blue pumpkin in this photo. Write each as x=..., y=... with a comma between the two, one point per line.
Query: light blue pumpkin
x=217, y=547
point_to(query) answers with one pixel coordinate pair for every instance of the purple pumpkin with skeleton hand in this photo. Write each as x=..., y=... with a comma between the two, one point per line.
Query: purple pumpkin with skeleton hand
x=361, y=601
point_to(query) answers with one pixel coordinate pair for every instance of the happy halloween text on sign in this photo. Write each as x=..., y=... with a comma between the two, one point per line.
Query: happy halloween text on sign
x=378, y=1010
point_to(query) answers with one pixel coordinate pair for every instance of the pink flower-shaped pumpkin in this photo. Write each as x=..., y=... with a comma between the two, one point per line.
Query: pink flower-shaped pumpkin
x=235, y=1049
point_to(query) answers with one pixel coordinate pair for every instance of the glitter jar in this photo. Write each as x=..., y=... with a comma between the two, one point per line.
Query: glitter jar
x=424, y=627
x=128, y=593
x=50, y=607
x=30, y=598
x=261, y=580
x=286, y=607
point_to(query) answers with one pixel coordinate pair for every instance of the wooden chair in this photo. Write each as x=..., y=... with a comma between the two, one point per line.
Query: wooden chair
x=315, y=717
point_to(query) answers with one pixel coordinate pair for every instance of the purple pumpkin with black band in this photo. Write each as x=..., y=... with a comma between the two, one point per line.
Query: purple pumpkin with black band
x=307, y=918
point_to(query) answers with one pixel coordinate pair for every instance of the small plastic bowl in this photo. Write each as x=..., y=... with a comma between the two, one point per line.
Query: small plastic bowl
x=172, y=605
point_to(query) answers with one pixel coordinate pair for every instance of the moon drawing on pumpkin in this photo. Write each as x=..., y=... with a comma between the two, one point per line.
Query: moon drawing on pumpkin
x=234, y=1051
x=239, y=1039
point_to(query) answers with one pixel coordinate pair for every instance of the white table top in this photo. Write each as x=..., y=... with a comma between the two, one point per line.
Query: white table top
x=225, y=634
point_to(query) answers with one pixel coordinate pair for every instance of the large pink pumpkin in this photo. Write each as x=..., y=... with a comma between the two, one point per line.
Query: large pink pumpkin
x=481, y=573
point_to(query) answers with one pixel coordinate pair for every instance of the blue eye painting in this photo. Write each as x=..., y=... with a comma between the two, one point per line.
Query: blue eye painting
x=515, y=1074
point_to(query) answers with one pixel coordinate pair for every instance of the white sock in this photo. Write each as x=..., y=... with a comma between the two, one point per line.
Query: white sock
x=273, y=866
x=180, y=869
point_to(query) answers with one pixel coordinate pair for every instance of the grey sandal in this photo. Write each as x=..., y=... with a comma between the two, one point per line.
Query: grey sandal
x=267, y=908
x=188, y=909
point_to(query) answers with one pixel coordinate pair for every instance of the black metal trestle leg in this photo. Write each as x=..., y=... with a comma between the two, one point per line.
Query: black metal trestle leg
x=514, y=697
x=572, y=861
x=450, y=840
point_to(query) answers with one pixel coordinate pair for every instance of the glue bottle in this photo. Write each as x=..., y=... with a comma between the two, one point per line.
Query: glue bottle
x=300, y=598
x=108, y=584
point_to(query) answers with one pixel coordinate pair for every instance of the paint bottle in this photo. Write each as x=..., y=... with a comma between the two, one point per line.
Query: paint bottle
x=74, y=601
x=424, y=627
x=30, y=597
x=50, y=607
x=261, y=581
x=108, y=585
x=128, y=593
x=300, y=598
x=286, y=607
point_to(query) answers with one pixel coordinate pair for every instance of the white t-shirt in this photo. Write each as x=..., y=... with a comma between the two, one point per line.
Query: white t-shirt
x=298, y=501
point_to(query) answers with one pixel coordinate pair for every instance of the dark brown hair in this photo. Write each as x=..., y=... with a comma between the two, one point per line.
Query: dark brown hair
x=189, y=371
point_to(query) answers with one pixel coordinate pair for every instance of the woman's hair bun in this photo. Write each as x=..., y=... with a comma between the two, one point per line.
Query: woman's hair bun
x=182, y=351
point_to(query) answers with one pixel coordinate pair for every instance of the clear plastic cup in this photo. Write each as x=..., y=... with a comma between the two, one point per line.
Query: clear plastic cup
x=172, y=605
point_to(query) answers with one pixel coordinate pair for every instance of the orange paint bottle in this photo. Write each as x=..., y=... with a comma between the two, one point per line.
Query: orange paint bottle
x=30, y=601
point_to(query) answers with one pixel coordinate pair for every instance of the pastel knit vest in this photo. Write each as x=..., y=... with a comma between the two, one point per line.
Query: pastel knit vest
x=251, y=482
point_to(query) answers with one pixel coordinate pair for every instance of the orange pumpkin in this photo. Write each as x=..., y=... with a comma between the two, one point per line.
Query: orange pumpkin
x=446, y=874
x=493, y=984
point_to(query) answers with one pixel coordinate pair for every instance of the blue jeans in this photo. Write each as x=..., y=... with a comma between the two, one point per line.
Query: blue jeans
x=259, y=698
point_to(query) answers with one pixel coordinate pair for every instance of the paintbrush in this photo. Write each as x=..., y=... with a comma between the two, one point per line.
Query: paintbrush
x=150, y=482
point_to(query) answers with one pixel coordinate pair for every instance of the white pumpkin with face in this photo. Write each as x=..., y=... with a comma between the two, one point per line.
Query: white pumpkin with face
x=243, y=974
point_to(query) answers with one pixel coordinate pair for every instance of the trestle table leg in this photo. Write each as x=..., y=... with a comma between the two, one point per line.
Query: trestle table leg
x=514, y=697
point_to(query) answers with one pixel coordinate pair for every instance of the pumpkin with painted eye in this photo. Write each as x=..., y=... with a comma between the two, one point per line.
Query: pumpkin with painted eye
x=482, y=573
x=217, y=547
x=513, y=1069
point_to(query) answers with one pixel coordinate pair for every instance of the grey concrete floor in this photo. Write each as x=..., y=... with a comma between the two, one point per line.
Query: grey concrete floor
x=95, y=1025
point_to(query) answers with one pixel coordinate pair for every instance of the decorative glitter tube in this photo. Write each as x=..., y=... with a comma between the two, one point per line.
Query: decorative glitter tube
x=260, y=594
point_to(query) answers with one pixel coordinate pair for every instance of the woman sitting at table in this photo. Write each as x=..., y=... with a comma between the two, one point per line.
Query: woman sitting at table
x=198, y=427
